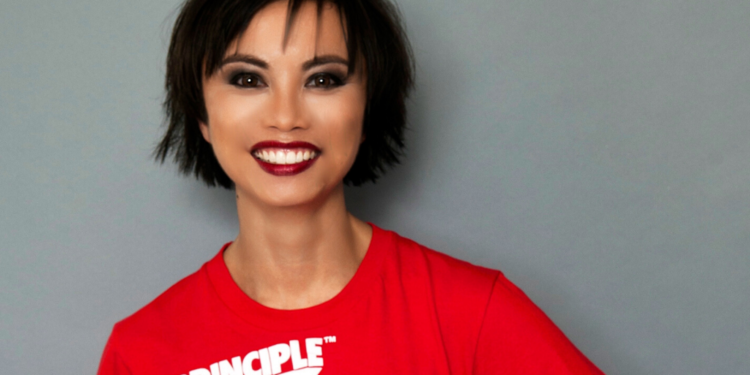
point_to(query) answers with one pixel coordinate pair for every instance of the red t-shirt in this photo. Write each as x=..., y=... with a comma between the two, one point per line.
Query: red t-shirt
x=407, y=310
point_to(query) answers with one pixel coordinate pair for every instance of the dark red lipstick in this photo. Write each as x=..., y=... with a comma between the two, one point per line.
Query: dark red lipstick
x=267, y=153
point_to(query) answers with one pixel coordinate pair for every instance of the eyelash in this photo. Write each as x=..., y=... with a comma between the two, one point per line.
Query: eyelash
x=238, y=79
x=335, y=80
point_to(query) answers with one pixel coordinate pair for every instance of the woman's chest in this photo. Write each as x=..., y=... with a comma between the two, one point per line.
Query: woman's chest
x=376, y=336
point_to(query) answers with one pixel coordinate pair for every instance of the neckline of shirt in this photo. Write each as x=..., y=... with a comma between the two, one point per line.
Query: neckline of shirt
x=319, y=315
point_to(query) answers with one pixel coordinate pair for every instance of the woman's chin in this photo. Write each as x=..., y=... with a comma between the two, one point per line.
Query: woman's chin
x=287, y=196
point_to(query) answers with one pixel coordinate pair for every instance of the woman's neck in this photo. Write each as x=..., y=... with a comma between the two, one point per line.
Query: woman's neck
x=296, y=257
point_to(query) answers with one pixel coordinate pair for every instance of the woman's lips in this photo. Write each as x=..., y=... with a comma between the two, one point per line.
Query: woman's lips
x=285, y=159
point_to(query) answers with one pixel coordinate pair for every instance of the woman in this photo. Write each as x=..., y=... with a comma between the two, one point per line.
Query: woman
x=285, y=102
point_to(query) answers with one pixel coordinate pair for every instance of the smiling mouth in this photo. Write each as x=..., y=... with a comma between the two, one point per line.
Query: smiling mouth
x=285, y=159
x=285, y=156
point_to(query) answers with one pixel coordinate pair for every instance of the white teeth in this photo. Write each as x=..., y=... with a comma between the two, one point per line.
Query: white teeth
x=283, y=158
x=280, y=157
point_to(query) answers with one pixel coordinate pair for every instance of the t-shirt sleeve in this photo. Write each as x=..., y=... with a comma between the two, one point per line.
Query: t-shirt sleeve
x=112, y=363
x=516, y=337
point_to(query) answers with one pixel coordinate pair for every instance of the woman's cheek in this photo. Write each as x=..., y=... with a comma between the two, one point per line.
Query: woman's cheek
x=228, y=141
x=342, y=121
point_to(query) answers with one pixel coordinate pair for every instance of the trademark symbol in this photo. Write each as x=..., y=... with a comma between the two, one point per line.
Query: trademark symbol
x=329, y=339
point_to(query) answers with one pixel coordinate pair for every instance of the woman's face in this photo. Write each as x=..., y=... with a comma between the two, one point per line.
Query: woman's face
x=285, y=122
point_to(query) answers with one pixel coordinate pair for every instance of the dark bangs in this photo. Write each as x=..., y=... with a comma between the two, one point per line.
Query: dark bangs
x=205, y=29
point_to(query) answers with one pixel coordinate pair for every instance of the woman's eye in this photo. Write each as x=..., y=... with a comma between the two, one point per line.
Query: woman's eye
x=247, y=80
x=325, y=81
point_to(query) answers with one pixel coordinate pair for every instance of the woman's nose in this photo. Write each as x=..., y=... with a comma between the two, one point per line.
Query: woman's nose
x=286, y=112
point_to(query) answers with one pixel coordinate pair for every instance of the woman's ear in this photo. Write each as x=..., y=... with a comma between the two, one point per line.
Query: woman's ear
x=205, y=132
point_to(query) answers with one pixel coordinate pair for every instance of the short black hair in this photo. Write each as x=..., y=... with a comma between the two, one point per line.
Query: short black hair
x=205, y=29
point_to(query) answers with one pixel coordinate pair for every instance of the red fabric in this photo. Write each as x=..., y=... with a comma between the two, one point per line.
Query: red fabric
x=407, y=310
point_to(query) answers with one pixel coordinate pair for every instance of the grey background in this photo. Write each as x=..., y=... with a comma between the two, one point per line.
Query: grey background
x=598, y=152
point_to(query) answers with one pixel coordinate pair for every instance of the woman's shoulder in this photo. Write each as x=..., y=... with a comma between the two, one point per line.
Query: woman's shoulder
x=152, y=331
x=487, y=322
x=459, y=292
x=173, y=308
x=444, y=271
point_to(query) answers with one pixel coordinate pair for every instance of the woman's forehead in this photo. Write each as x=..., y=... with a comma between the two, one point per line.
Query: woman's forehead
x=311, y=32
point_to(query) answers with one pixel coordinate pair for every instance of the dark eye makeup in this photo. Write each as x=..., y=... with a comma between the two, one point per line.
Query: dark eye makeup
x=246, y=80
x=326, y=80
x=321, y=80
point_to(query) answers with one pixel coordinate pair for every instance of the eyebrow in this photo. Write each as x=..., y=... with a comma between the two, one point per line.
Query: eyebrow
x=325, y=59
x=247, y=59
x=252, y=60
